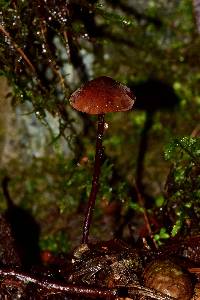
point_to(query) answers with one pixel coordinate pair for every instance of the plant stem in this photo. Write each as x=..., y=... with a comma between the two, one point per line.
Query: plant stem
x=95, y=180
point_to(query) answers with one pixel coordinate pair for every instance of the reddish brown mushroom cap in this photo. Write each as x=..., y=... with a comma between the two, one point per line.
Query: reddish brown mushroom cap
x=102, y=95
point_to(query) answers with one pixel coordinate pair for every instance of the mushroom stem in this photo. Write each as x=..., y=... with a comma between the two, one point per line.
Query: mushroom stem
x=95, y=180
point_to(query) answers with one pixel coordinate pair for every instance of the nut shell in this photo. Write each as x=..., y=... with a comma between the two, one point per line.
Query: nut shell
x=168, y=278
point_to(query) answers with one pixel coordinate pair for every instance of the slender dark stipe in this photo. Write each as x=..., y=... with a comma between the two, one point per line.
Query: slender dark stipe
x=95, y=180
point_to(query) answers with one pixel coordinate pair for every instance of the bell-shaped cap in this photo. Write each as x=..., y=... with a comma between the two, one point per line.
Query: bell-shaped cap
x=102, y=95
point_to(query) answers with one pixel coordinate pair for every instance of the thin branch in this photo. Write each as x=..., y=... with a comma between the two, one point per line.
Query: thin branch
x=135, y=13
x=60, y=288
x=17, y=48
x=194, y=270
x=196, y=131
x=23, y=55
x=111, y=293
x=145, y=215
x=53, y=62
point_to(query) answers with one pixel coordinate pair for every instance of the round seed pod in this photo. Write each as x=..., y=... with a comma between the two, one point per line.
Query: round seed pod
x=169, y=279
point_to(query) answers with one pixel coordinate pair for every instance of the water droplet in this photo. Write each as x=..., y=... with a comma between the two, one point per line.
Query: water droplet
x=101, y=156
x=106, y=126
x=7, y=40
x=85, y=36
x=44, y=50
x=125, y=22
x=37, y=113
x=19, y=59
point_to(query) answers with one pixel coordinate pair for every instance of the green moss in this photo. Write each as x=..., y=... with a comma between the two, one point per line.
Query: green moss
x=57, y=242
x=184, y=182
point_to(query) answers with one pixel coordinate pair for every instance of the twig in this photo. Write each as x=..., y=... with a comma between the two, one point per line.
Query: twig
x=61, y=288
x=145, y=215
x=196, y=131
x=17, y=48
x=194, y=270
x=53, y=63
x=111, y=293
x=139, y=16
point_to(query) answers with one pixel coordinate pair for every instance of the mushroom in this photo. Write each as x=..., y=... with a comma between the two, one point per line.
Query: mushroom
x=97, y=97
